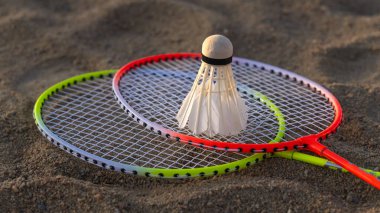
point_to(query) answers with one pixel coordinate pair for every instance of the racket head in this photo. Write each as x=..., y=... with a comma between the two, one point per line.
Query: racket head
x=80, y=116
x=310, y=110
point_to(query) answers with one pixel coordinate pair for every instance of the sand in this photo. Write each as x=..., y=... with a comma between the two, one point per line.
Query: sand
x=336, y=43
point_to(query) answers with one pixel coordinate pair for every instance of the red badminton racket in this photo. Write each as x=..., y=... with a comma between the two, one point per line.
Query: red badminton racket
x=311, y=112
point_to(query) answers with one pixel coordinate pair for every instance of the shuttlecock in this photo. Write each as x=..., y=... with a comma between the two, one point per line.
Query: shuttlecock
x=213, y=105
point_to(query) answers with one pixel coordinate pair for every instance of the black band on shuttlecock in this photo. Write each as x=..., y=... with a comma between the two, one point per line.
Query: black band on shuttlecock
x=214, y=61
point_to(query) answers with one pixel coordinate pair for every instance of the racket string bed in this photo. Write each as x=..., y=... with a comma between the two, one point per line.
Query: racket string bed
x=167, y=83
x=97, y=125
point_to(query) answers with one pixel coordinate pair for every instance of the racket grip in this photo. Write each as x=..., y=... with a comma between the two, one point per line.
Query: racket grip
x=369, y=178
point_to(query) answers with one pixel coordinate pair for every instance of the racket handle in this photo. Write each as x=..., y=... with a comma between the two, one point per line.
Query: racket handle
x=371, y=179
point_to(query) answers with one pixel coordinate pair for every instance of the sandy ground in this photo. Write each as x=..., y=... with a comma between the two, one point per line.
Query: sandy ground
x=336, y=43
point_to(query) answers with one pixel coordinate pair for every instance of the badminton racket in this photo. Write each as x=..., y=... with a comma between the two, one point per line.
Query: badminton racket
x=150, y=91
x=80, y=116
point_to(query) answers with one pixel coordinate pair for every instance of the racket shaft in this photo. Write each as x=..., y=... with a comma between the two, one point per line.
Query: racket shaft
x=371, y=179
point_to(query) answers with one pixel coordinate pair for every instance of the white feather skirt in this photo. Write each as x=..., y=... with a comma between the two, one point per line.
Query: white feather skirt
x=213, y=105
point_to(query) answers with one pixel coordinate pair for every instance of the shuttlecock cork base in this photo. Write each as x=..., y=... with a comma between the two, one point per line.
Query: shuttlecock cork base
x=213, y=105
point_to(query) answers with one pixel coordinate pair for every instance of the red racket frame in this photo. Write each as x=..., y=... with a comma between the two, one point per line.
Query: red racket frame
x=310, y=142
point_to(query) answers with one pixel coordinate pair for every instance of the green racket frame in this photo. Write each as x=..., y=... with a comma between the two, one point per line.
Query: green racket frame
x=137, y=170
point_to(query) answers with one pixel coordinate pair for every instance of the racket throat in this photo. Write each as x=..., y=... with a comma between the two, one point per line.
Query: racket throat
x=313, y=144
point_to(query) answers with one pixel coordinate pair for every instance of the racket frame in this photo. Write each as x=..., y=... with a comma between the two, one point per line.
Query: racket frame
x=298, y=144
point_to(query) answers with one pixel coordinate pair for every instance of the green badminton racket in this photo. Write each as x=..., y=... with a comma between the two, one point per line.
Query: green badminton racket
x=79, y=116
